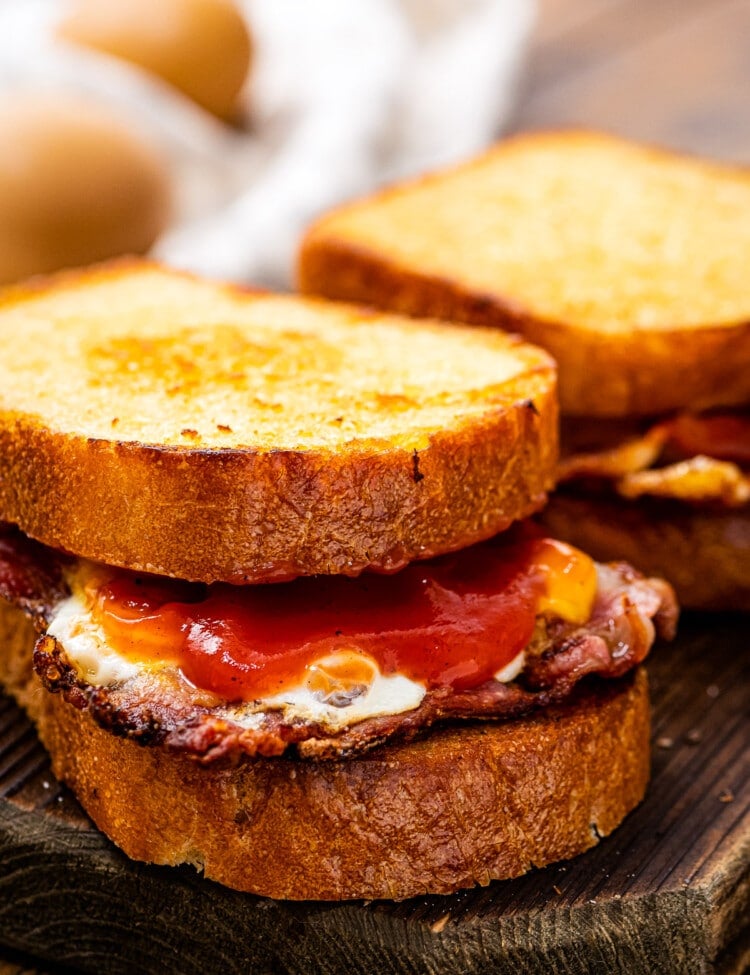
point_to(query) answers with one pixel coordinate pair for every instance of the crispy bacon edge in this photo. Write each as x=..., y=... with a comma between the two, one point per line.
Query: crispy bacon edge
x=632, y=463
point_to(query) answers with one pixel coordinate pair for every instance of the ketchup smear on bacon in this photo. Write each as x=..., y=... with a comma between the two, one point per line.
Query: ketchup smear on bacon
x=451, y=621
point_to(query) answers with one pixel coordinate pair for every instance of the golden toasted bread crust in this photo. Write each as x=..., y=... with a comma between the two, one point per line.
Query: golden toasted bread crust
x=206, y=479
x=568, y=238
x=703, y=551
x=461, y=806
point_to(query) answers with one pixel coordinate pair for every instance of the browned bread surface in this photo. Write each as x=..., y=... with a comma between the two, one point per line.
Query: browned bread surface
x=461, y=806
x=703, y=551
x=626, y=262
x=155, y=421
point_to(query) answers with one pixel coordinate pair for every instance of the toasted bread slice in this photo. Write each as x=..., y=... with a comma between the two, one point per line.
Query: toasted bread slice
x=462, y=806
x=627, y=263
x=154, y=421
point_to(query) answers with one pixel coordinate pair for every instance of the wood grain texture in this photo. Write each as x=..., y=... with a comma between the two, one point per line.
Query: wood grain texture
x=16, y=963
x=668, y=892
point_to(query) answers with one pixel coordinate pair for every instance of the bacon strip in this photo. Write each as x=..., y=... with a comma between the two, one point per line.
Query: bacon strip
x=698, y=479
x=706, y=477
x=31, y=575
x=724, y=436
x=633, y=454
x=159, y=708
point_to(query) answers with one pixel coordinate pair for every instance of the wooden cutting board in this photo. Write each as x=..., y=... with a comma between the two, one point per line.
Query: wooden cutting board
x=669, y=892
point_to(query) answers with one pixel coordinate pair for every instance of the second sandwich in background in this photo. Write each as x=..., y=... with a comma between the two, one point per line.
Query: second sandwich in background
x=628, y=264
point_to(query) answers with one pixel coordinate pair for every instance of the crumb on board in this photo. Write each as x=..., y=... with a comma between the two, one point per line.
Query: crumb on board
x=440, y=924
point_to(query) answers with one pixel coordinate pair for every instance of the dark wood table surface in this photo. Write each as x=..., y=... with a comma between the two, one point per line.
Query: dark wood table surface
x=675, y=72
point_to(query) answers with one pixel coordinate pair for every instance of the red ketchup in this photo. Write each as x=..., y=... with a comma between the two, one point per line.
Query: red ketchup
x=455, y=620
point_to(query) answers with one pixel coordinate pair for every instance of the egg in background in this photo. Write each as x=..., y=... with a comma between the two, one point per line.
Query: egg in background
x=76, y=186
x=200, y=47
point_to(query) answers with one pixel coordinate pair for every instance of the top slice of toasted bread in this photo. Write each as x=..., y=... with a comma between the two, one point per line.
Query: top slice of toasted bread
x=155, y=421
x=628, y=263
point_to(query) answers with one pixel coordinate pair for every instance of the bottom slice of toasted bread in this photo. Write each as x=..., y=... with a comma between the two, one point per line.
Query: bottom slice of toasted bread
x=462, y=806
x=704, y=552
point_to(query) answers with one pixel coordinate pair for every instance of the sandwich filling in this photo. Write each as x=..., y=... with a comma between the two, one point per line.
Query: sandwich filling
x=330, y=666
x=699, y=459
x=453, y=622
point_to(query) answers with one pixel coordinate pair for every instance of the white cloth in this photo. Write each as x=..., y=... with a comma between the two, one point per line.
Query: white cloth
x=344, y=96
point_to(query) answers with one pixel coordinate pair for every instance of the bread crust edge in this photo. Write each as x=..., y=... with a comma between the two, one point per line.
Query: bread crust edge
x=707, y=366
x=248, y=516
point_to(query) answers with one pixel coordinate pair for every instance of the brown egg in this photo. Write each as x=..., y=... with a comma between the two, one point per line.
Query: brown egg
x=75, y=187
x=202, y=47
